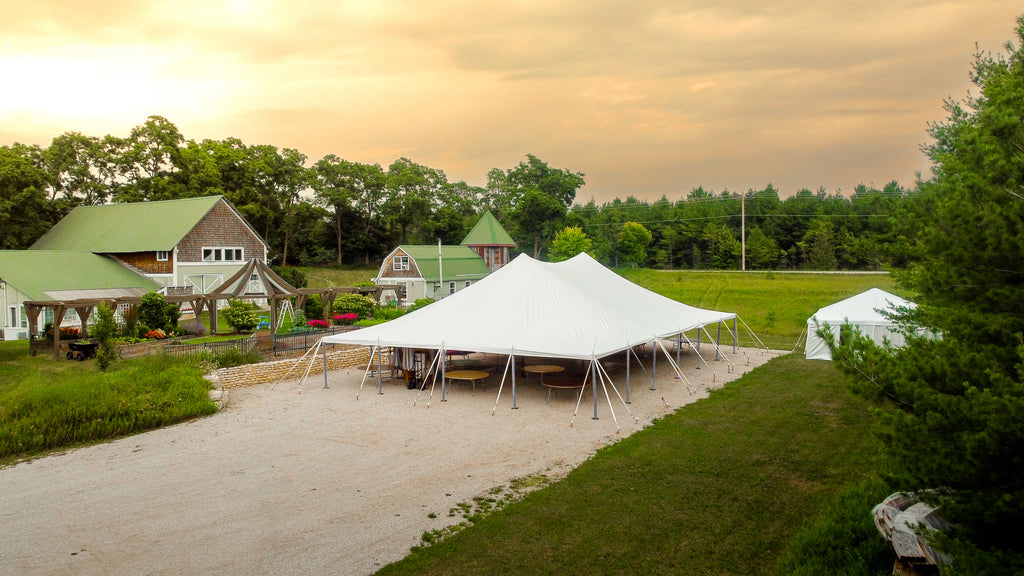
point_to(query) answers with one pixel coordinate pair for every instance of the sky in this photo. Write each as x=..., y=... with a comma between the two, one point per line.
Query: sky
x=645, y=98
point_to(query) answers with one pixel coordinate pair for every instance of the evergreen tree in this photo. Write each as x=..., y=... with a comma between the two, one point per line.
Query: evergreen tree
x=955, y=418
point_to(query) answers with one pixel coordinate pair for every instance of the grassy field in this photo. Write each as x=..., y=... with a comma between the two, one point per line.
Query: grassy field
x=47, y=404
x=720, y=487
x=775, y=306
x=337, y=276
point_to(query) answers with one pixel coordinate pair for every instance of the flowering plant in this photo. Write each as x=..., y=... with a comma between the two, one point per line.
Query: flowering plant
x=157, y=334
x=345, y=319
x=317, y=323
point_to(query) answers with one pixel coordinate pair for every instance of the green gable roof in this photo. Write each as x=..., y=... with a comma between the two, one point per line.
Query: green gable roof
x=488, y=232
x=127, y=227
x=460, y=262
x=36, y=272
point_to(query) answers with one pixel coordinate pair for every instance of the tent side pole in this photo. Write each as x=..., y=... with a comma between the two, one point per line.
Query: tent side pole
x=698, y=348
x=380, y=378
x=513, y=359
x=718, y=340
x=324, y=348
x=628, y=351
x=654, y=361
x=443, y=387
x=735, y=335
x=679, y=346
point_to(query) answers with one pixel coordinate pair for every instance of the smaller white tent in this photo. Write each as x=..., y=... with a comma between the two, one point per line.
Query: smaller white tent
x=865, y=312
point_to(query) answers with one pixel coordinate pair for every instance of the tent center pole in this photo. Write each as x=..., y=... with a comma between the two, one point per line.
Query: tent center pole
x=593, y=384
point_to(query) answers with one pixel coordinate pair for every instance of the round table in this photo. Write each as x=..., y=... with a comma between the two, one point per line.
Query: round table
x=471, y=375
x=542, y=369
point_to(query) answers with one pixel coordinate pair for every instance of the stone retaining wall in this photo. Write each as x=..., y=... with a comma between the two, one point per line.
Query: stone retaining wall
x=264, y=372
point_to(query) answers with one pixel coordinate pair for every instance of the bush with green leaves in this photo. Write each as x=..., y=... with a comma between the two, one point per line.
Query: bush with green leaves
x=156, y=312
x=242, y=315
x=419, y=303
x=314, y=307
x=104, y=331
x=357, y=303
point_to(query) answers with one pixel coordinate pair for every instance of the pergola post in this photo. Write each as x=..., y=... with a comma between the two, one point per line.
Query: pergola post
x=58, y=316
x=83, y=315
x=274, y=304
x=32, y=312
x=212, y=304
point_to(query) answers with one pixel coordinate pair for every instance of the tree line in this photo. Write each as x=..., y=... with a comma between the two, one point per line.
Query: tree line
x=344, y=212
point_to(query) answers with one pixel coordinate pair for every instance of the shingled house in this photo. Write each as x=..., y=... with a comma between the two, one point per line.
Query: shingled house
x=432, y=271
x=185, y=246
x=177, y=247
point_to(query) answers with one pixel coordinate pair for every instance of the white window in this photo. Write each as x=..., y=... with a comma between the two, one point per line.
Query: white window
x=451, y=288
x=468, y=283
x=400, y=263
x=14, y=319
x=222, y=255
x=163, y=255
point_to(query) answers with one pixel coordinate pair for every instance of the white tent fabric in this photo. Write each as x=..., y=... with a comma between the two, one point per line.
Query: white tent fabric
x=864, y=312
x=574, y=309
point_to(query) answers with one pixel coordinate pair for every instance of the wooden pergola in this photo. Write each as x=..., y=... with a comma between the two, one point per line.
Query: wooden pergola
x=254, y=281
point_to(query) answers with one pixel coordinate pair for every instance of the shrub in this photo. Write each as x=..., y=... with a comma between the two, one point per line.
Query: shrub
x=318, y=324
x=387, y=313
x=419, y=303
x=361, y=305
x=194, y=328
x=155, y=311
x=241, y=315
x=314, y=307
x=104, y=331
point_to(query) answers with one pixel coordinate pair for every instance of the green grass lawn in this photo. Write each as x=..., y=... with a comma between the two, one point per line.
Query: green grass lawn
x=337, y=276
x=719, y=487
x=775, y=306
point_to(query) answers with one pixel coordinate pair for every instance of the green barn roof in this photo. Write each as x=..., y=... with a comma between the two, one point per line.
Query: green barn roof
x=459, y=262
x=41, y=273
x=488, y=232
x=127, y=227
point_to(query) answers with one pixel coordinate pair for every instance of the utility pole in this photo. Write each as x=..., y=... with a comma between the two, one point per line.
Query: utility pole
x=743, y=232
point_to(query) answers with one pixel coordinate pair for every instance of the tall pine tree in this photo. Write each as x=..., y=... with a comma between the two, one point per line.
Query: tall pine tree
x=955, y=406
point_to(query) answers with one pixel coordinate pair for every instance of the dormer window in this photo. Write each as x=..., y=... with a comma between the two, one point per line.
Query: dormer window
x=163, y=255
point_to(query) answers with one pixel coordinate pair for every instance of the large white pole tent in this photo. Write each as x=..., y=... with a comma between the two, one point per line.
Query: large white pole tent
x=868, y=312
x=576, y=309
